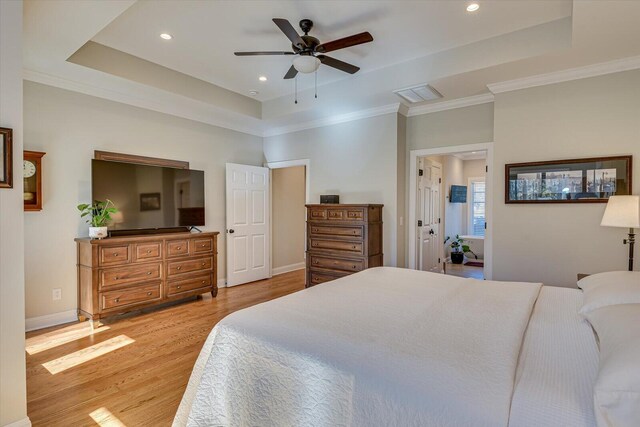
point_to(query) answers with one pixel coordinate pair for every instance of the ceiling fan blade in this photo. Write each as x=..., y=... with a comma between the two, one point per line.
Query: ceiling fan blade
x=291, y=73
x=354, y=40
x=340, y=65
x=261, y=53
x=291, y=33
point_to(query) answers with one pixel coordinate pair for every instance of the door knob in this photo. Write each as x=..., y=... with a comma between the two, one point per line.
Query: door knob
x=231, y=231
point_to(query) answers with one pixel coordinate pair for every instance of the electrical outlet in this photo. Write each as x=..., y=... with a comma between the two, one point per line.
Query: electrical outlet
x=57, y=294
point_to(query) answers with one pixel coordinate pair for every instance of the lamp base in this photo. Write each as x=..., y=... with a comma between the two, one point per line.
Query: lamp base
x=631, y=241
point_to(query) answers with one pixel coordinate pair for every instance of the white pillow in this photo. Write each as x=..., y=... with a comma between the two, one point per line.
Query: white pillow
x=616, y=393
x=613, y=287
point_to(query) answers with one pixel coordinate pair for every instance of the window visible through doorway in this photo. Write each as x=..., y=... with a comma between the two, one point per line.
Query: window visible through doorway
x=477, y=204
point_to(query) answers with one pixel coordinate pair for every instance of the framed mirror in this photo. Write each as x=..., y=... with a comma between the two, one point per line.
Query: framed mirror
x=6, y=158
x=591, y=180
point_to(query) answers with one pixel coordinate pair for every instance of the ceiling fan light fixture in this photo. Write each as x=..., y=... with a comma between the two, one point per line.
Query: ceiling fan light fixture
x=306, y=64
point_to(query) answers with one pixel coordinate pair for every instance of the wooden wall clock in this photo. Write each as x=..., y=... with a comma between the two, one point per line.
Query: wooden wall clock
x=32, y=175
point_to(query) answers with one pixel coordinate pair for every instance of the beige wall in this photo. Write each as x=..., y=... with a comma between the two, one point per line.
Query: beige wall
x=69, y=126
x=598, y=116
x=288, y=216
x=356, y=160
x=13, y=395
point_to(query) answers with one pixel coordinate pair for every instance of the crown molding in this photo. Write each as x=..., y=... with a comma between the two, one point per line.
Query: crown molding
x=594, y=70
x=333, y=120
x=469, y=101
x=159, y=101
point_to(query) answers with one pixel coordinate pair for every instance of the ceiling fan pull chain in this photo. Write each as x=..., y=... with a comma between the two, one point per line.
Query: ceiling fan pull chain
x=316, y=87
x=296, y=91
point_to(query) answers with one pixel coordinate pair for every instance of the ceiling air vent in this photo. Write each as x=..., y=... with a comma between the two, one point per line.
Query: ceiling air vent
x=416, y=94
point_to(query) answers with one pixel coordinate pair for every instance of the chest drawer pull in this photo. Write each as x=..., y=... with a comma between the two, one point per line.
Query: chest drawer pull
x=179, y=287
x=148, y=251
x=116, y=254
x=204, y=281
x=149, y=273
x=202, y=264
x=179, y=248
x=117, y=300
x=149, y=293
x=179, y=268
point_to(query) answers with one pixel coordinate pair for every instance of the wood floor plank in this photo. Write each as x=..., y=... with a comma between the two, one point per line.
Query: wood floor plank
x=142, y=383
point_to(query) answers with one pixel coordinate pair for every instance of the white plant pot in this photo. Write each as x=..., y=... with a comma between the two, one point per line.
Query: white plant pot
x=98, y=232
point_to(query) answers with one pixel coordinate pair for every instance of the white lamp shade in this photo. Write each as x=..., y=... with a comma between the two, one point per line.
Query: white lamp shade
x=306, y=63
x=622, y=211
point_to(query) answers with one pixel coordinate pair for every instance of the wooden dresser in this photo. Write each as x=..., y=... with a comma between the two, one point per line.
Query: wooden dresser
x=341, y=240
x=121, y=274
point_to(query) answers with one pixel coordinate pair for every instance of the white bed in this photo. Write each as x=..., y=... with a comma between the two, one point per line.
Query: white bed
x=399, y=347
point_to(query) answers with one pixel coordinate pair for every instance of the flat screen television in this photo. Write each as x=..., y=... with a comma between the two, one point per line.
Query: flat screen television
x=149, y=197
x=458, y=194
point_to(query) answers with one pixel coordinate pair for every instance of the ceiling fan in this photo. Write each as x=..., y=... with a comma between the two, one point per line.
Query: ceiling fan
x=310, y=51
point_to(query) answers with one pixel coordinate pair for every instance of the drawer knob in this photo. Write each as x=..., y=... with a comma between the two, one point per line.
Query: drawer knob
x=178, y=287
x=203, y=282
x=203, y=264
x=149, y=293
x=179, y=268
x=116, y=254
x=354, y=266
x=203, y=245
x=315, y=262
x=117, y=278
x=354, y=246
x=149, y=273
x=117, y=300
x=149, y=251
x=179, y=247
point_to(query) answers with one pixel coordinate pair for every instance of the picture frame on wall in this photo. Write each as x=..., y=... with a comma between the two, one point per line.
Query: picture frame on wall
x=6, y=158
x=590, y=180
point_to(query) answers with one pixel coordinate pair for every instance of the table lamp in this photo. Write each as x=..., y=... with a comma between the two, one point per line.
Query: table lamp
x=623, y=211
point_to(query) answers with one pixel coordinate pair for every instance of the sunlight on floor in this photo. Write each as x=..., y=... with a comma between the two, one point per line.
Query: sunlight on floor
x=76, y=358
x=61, y=336
x=105, y=418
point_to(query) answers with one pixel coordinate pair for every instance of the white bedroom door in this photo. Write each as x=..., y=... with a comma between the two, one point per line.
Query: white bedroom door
x=248, y=240
x=429, y=236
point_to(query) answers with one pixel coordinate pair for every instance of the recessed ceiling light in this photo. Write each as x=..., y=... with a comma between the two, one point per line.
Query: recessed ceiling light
x=473, y=152
x=262, y=78
x=253, y=92
x=166, y=36
x=473, y=7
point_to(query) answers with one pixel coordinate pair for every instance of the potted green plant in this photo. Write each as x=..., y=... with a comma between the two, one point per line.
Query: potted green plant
x=99, y=214
x=458, y=249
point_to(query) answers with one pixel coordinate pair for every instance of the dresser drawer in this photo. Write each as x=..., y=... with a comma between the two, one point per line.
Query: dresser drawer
x=317, y=214
x=151, y=251
x=336, y=231
x=114, y=255
x=336, y=263
x=189, y=265
x=345, y=214
x=317, y=277
x=177, y=248
x=129, y=274
x=201, y=246
x=178, y=287
x=355, y=248
x=135, y=295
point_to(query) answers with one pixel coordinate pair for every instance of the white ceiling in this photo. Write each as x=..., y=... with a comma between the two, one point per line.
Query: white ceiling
x=435, y=42
x=206, y=33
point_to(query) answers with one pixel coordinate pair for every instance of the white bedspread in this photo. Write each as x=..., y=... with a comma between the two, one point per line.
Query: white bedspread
x=387, y=346
x=558, y=365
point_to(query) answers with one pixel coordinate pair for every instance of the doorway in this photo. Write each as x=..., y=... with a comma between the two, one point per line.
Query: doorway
x=289, y=195
x=450, y=198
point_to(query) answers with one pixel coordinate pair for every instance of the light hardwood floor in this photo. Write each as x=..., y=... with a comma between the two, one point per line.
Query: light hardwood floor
x=132, y=371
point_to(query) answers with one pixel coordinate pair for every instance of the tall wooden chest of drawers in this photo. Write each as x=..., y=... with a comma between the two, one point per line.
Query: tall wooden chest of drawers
x=121, y=274
x=341, y=240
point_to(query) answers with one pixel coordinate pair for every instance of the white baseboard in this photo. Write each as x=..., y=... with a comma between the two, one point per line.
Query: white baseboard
x=40, y=322
x=288, y=268
x=25, y=422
